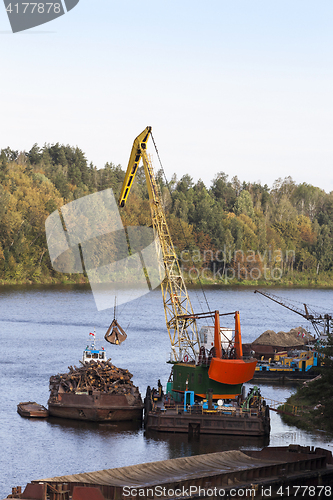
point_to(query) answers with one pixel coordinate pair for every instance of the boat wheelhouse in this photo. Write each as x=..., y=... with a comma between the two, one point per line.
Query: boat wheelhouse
x=91, y=353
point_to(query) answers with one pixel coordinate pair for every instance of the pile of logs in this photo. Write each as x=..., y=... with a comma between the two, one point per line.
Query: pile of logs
x=100, y=376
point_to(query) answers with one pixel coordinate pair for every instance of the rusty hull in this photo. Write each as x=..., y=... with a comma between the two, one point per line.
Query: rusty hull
x=97, y=407
x=32, y=409
x=253, y=423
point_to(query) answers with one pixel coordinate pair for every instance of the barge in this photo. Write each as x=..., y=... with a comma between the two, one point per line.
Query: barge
x=223, y=421
x=213, y=382
x=273, y=472
x=292, y=366
x=31, y=409
x=97, y=391
x=96, y=406
x=240, y=417
x=270, y=343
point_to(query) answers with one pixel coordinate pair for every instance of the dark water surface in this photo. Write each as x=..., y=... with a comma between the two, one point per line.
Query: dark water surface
x=45, y=329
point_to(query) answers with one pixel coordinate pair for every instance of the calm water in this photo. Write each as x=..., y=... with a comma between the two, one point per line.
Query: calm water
x=45, y=329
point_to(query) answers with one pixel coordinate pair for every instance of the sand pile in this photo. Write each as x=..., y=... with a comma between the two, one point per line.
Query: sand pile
x=296, y=336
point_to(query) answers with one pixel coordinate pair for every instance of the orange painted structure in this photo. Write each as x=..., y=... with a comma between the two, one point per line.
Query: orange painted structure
x=222, y=370
x=231, y=371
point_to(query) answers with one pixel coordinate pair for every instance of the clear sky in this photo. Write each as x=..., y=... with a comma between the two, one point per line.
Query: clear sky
x=240, y=86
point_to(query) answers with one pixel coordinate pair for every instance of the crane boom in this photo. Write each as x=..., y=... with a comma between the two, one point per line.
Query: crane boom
x=276, y=299
x=314, y=318
x=182, y=330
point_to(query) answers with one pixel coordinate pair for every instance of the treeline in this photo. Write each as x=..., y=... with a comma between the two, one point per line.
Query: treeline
x=228, y=232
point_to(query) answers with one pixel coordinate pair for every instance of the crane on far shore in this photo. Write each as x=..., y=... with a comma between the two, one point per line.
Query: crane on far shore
x=317, y=320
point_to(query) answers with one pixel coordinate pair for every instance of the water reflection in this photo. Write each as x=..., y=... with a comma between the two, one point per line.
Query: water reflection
x=181, y=445
x=94, y=427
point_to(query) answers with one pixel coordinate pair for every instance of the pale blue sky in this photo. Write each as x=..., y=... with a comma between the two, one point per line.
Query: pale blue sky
x=243, y=87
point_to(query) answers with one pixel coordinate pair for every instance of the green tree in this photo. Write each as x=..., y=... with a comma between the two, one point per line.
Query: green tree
x=244, y=204
x=323, y=248
x=224, y=191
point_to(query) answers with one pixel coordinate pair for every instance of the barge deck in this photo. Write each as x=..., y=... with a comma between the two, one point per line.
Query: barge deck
x=224, y=421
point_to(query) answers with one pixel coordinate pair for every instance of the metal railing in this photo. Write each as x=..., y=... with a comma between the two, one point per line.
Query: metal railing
x=199, y=410
x=283, y=407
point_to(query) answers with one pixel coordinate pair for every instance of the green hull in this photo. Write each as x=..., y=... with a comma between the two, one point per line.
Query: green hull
x=198, y=381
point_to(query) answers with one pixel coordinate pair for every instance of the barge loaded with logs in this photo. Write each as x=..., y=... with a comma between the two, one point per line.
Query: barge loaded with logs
x=97, y=390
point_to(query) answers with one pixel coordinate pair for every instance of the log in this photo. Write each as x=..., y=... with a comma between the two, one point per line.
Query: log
x=94, y=375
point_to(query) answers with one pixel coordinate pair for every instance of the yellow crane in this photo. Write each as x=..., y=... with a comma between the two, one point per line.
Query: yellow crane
x=182, y=331
x=223, y=371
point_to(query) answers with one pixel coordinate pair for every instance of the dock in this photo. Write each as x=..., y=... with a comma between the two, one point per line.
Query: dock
x=236, y=474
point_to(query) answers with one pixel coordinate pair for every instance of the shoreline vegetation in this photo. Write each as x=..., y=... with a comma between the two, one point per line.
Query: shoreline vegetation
x=231, y=233
x=314, y=407
x=314, y=398
x=299, y=280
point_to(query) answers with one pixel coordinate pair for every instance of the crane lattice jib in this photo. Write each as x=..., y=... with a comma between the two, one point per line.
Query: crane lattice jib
x=182, y=331
x=315, y=318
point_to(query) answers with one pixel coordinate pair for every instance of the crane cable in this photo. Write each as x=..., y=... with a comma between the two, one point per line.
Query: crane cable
x=184, y=236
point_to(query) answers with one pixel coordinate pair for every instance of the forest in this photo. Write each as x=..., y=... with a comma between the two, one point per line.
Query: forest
x=231, y=232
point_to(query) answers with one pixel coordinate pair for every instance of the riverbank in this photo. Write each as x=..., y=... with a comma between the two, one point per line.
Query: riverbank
x=48, y=280
x=313, y=406
x=292, y=280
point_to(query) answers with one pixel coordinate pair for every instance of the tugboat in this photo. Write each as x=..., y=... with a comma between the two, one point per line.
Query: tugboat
x=96, y=391
x=91, y=353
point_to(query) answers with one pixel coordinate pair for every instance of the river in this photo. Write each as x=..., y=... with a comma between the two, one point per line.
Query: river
x=45, y=329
